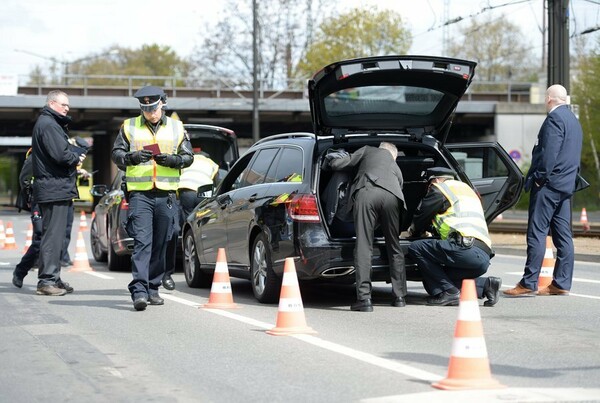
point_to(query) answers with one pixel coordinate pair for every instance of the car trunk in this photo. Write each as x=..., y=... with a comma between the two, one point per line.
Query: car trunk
x=413, y=160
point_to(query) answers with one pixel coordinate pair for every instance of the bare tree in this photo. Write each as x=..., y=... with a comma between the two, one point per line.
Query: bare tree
x=285, y=30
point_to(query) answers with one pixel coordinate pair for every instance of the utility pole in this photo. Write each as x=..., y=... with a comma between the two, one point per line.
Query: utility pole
x=255, y=121
x=558, y=43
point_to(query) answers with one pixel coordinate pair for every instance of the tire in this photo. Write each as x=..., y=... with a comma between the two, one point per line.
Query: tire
x=266, y=286
x=117, y=262
x=195, y=277
x=99, y=254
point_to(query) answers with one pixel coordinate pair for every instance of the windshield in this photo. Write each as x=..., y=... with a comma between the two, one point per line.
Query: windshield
x=403, y=100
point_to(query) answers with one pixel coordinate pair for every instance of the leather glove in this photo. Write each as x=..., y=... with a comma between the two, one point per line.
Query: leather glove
x=168, y=160
x=137, y=157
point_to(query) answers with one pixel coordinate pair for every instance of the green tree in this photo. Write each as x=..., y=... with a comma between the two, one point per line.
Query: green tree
x=148, y=60
x=498, y=46
x=586, y=95
x=358, y=33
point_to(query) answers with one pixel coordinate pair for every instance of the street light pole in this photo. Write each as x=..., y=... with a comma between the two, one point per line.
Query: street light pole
x=255, y=121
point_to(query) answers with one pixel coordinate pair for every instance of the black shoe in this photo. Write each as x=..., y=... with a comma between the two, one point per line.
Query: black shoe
x=364, y=305
x=399, y=302
x=444, y=299
x=66, y=263
x=17, y=282
x=156, y=300
x=491, y=290
x=168, y=283
x=140, y=303
x=64, y=286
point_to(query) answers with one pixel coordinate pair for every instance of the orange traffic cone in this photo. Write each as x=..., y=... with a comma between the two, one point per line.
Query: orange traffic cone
x=547, y=271
x=290, y=316
x=82, y=261
x=584, y=220
x=29, y=238
x=2, y=235
x=9, y=243
x=469, y=367
x=220, y=292
x=83, y=225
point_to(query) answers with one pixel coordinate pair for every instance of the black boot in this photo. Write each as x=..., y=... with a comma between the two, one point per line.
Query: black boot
x=491, y=290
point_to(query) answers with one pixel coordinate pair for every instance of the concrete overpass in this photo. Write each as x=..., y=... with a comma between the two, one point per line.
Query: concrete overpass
x=98, y=112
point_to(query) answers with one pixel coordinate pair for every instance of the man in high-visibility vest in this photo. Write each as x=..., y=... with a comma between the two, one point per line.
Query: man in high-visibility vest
x=153, y=148
x=202, y=172
x=453, y=211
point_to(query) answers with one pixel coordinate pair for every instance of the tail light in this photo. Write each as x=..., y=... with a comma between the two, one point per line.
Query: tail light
x=124, y=205
x=303, y=208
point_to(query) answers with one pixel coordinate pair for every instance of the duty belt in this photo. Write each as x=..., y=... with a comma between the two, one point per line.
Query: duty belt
x=469, y=241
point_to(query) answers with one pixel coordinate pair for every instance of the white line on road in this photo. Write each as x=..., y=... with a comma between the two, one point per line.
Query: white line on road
x=315, y=341
x=99, y=275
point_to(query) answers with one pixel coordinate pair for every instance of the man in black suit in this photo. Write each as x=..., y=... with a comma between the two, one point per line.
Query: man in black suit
x=376, y=198
x=551, y=179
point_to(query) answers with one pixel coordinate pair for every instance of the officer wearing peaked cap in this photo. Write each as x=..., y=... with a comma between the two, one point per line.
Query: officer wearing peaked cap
x=153, y=149
x=462, y=247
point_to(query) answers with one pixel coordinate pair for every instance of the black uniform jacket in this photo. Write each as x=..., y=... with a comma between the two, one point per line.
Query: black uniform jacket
x=121, y=150
x=432, y=204
x=54, y=159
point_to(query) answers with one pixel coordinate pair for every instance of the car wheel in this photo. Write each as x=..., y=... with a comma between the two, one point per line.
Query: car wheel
x=265, y=283
x=116, y=262
x=99, y=254
x=194, y=276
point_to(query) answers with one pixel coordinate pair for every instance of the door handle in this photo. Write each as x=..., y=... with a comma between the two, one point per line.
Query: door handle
x=252, y=198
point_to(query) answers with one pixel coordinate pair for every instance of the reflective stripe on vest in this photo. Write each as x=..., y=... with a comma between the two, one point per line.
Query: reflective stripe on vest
x=201, y=172
x=465, y=214
x=149, y=175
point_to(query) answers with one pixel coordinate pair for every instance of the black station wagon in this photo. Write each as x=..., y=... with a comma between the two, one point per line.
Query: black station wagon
x=278, y=202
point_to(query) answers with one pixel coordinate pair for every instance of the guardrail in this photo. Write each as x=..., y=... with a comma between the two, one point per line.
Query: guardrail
x=215, y=87
x=520, y=227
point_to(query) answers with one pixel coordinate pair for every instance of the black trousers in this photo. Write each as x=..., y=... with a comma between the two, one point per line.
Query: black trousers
x=150, y=224
x=65, y=257
x=374, y=205
x=54, y=219
x=444, y=265
x=29, y=258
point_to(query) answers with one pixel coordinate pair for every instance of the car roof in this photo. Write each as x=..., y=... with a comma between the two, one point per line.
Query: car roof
x=402, y=94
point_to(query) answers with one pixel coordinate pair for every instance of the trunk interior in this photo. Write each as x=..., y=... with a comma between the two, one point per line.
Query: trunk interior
x=413, y=160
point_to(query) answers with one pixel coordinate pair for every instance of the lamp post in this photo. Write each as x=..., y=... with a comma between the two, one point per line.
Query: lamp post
x=67, y=63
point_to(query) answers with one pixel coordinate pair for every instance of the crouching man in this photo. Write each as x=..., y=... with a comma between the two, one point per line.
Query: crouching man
x=452, y=211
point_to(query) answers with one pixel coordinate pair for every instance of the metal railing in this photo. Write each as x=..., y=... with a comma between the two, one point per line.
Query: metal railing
x=215, y=87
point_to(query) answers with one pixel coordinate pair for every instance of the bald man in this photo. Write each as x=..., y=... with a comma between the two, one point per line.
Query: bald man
x=551, y=179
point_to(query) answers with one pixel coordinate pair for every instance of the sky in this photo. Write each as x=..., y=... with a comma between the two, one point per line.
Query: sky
x=34, y=31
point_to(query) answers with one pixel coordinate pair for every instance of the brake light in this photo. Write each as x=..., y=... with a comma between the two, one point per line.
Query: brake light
x=303, y=208
x=124, y=205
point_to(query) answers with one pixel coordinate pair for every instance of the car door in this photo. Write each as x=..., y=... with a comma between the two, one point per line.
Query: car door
x=209, y=218
x=497, y=178
x=246, y=200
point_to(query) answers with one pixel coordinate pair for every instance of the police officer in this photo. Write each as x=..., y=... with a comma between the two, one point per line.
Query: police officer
x=463, y=249
x=153, y=148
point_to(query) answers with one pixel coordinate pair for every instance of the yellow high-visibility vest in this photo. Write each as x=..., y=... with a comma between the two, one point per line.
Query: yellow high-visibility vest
x=465, y=214
x=201, y=172
x=149, y=175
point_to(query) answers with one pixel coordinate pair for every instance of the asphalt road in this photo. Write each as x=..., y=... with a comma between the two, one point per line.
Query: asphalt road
x=91, y=346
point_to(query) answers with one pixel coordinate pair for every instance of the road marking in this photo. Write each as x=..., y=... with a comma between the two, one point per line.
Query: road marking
x=575, y=279
x=4, y=263
x=315, y=341
x=99, y=275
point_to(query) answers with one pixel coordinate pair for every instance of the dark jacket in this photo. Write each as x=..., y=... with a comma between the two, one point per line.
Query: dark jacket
x=375, y=165
x=557, y=153
x=54, y=159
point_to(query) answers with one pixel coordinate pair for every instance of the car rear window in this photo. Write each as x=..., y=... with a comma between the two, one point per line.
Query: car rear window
x=395, y=100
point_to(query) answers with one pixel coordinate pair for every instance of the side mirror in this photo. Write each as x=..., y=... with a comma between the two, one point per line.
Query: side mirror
x=98, y=190
x=206, y=190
